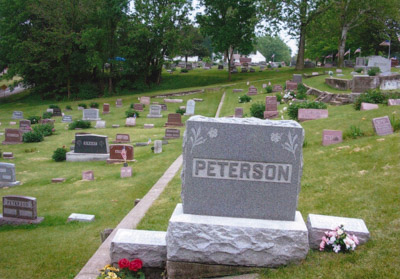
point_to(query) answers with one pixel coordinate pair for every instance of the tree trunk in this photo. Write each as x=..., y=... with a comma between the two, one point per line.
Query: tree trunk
x=186, y=58
x=110, y=83
x=69, y=88
x=230, y=55
x=302, y=44
x=342, y=46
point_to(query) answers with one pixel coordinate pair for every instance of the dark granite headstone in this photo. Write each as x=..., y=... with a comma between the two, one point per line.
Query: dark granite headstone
x=20, y=207
x=25, y=126
x=57, y=112
x=138, y=107
x=116, y=150
x=90, y=143
x=174, y=119
x=106, y=108
x=382, y=126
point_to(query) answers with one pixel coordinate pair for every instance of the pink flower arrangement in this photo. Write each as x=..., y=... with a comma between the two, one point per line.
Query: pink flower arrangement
x=338, y=241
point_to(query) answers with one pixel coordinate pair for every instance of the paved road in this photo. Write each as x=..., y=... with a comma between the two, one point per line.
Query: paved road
x=7, y=92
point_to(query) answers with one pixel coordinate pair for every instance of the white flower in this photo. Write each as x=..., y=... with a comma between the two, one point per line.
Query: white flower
x=340, y=231
x=275, y=137
x=282, y=117
x=336, y=248
x=285, y=109
x=331, y=240
x=213, y=133
x=349, y=243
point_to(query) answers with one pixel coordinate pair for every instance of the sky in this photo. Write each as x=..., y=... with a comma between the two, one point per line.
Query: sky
x=283, y=34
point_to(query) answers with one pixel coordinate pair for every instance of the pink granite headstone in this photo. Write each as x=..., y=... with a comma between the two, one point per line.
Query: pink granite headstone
x=271, y=107
x=126, y=172
x=138, y=107
x=145, y=100
x=331, y=137
x=130, y=122
x=394, y=102
x=277, y=88
x=311, y=114
x=368, y=106
x=122, y=138
x=118, y=103
x=252, y=91
x=291, y=85
x=238, y=112
x=13, y=136
x=382, y=126
x=88, y=175
x=106, y=108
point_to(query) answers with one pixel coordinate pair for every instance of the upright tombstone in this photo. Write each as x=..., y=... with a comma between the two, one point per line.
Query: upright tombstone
x=100, y=124
x=13, y=136
x=66, y=119
x=17, y=115
x=382, y=63
x=25, y=126
x=91, y=114
x=311, y=114
x=118, y=103
x=331, y=137
x=382, y=126
x=117, y=152
x=122, y=138
x=19, y=210
x=238, y=112
x=138, y=107
x=252, y=91
x=164, y=107
x=297, y=78
x=172, y=134
x=7, y=175
x=157, y=146
x=271, y=107
x=394, y=102
x=174, y=119
x=291, y=85
x=155, y=111
x=89, y=147
x=239, y=208
x=57, y=112
x=106, y=108
x=130, y=122
x=277, y=88
x=145, y=100
x=362, y=83
x=190, y=107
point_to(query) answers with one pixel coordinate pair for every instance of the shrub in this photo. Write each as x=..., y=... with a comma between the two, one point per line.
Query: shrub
x=53, y=106
x=269, y=89
x=180, y=111
x=45, y=129
x=47, y=115
x=82, y=105
x=279, y=66
x=301, y=89
x=373, y=96
x=278, y=97
x=184, y=70
x=131, y=113
x=269, y=66
x=374, y=71
x=359, y=70
x=295, y=106
x=68, y=107
x=60, y=154
x=34, y=119
x=32, y=136
x=83, y=124
x=244, y=99
x=94, y=105
x=395, y=123
x=353, y=132
x=257, y=110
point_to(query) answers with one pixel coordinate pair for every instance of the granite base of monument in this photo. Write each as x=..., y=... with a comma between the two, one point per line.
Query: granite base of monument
x=86, y=157
x=9, y=184
x=19, y=221
x=235, y=241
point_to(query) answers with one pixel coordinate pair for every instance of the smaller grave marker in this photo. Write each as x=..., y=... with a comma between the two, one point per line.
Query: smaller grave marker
x=106, y=108
x=100, y=124
x=118, y=103
x=126, y=172
x=138, y=107
x=172, y=134
x=157, y=146
x=19, y=210
x=252, y=91
x=368, y=106
x=238, y=112
x=331, y=137
x=155, y=111
x=130, y=122
x=80, y=217
x=18, y=115
x=122, y=138
x=394, y=102
x=382, y=126
x=88, y=175
x=66, y=119
x=145, y=100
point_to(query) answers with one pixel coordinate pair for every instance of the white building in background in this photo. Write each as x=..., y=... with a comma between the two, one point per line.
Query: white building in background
x=190, y=58
x=257, y=57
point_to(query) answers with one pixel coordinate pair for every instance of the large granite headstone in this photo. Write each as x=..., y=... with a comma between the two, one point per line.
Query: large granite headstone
x=190, y=107
x=271, y=107
x=155, y=111
x=17, y=115
x=311, y=114
x=91, y=114
x=172, y=134
x=252, y=91
x=116, y=153
x=216, y=180
x=382, y=126
x=174, y=119
x=66, y=119
x=18, y=210
x=331, y=137
x=297, y=78
x=7, y=175
x=382, y=63
x=13, y=136
x=90, y=143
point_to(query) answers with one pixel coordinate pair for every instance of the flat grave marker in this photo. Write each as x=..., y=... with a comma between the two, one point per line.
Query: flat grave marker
x=394, y=102
x=66, y=119
x=331, y=137
x=312, y=114
x=100, y=124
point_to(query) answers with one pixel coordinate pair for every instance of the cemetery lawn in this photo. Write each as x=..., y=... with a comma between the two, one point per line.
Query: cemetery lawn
x=358, y=178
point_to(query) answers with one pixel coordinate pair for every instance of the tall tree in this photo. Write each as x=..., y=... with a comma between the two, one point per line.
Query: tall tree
x=230, y=24
x=269, y=46
x=192, y=43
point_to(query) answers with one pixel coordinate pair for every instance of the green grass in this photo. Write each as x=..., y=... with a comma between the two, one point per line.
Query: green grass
x=318, y=82
x=357, y=178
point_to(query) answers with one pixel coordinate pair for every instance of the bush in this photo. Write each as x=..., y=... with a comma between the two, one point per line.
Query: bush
x=278, y=97
x=279, y=66
x=184, y=70
x=257, y=110
x=131, y=113
x=180, y=111
x=32, y=136
x=34, y=119
x=373, y=96
x=94, y=105
x=53, y=106
x=47, y=115
x=301, y=92
x=295, y=106
x=353, y=132
x=269, y=66
x=68, y=107
x=374, y=71
x=60, y=154
x=359, y=70
x=82, y=105
x=45, y=129
x=83, y=124
x=395, y=123
x=244, y=99
x=269, y=89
